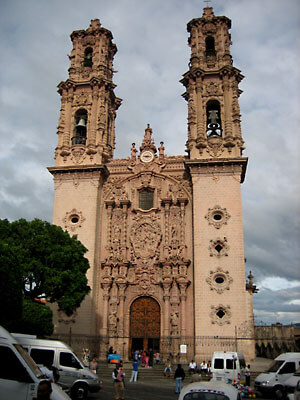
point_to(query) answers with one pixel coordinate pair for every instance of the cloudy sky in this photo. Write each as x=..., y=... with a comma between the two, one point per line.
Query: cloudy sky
x=152, y=56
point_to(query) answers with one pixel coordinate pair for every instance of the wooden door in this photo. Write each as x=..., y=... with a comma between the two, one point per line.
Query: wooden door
x=144, y=320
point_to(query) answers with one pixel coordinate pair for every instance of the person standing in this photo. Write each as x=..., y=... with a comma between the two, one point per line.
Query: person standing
x=247, y=375
x=94, y=365
x=134, y=373
x=118, y=377
x=179, y=377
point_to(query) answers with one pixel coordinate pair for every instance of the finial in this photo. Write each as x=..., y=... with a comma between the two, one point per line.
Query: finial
x=207, y=3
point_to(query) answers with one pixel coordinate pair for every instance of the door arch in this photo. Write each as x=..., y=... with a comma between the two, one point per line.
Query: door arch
x=144, y=324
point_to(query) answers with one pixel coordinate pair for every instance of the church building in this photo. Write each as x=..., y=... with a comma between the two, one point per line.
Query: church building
x=164, y=233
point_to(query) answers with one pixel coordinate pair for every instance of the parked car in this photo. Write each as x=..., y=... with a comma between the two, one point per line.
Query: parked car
x=209, y=390
x=19, y=374
x=73, y=375
x=272, y=381
x=228, y=366
x=292, y=386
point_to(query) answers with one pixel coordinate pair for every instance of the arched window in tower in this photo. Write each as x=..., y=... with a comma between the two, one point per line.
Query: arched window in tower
x=213, y=118
x=79, y=136
x=210, y=46
x=146, y=199
x=88, y=57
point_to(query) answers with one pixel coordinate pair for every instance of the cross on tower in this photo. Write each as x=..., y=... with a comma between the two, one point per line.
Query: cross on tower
x=207, y=2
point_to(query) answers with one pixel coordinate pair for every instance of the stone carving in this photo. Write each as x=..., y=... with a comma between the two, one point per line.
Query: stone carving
x=212, y=88
x=174, y=323
x=145, y=237
x=112, y=323
x=78, y=154
x=220, y=314
x=82, y=99
x=215, y=146
x=73, y=220
x=218, y=247
x=217, y=216
x=219, y=280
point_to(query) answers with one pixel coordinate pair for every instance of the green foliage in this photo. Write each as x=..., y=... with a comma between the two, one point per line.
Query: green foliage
x=51, y=263
x=10, y=289
x=37, y=319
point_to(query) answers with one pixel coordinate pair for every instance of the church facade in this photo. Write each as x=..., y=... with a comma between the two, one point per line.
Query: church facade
x=164, y=233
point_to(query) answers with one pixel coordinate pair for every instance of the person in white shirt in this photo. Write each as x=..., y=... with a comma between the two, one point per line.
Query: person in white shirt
x=192, y=367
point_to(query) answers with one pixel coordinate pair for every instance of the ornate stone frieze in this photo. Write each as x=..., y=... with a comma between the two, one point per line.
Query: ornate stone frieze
x=217, y=216
x=220, y=314
x=215, y=146
x=219, y=280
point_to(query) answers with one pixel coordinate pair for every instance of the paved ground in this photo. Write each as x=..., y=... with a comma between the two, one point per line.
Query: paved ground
x=157, y=388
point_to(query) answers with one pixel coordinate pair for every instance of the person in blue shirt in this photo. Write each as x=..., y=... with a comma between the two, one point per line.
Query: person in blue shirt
x=134, y=373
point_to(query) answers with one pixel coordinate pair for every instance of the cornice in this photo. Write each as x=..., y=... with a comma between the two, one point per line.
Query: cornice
x=217, y=165
x=79, y=169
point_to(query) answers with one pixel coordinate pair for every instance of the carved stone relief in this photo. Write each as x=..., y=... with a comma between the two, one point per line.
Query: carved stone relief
x=78, y=155
x=218, y=247
x=145, y=237
x=217, y=216
x=219, y=280
x=220, y=314
x=73, y=220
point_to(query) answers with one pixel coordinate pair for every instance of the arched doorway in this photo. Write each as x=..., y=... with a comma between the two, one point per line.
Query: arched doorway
x=144, y=324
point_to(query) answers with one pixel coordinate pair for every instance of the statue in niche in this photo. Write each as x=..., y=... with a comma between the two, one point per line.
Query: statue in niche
x=112, y=318
x=174, y=323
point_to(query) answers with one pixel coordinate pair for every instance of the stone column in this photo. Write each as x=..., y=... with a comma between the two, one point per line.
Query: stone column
x=227, y=126
x=105, y=287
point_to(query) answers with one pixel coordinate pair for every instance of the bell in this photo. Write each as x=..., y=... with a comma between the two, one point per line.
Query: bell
x=81, y=122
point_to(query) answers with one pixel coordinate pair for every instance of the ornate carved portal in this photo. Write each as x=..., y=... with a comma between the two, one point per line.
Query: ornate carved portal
x=144, y=324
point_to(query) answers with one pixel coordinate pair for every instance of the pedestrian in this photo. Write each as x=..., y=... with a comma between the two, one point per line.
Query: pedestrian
x=94, y=365
x=192, y=367
x=151, y=355
x=118, y=378
x=168, y=368
x=247, y=375
x=86, y=357
x=134, y=373
x=179, y=377
x=157, y=358
x=147, y=360
x=44, y=390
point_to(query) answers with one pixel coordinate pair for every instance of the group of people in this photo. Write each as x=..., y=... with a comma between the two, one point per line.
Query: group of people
x=146, y=358
x=203, y=369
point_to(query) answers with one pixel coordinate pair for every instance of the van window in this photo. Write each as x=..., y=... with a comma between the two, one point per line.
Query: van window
x=288, y=368
x=43, y=356
x=275, y=366
x=10, y=366
x=230, y=363
x=219, y=363
x=68, y=360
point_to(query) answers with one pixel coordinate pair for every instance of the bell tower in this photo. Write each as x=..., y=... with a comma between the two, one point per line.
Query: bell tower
x=86, y=130
x=86, y=141
x=212, y=90
x=222, y=301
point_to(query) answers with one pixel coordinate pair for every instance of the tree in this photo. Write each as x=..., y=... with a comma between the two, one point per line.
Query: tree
x=51, y=263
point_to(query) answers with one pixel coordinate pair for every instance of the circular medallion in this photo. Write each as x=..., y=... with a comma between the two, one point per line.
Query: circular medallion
x=147, y=156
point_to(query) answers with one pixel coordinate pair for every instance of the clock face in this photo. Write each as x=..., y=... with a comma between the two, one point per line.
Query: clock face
x=147, y=156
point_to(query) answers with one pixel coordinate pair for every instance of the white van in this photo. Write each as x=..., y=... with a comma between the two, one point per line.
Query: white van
x=292, y=386
x=273, y=380
x=19, y=375
x=228, y=366
x=73, y=375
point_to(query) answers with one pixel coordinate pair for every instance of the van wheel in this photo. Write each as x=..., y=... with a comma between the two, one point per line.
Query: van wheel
x=278, y=390
x=79, y=392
